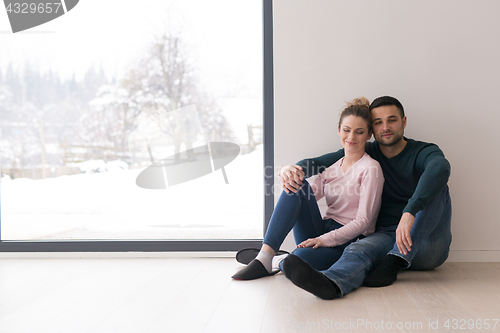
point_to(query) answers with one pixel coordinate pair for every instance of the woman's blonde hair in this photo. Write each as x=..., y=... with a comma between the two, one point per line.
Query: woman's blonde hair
x=358, y=107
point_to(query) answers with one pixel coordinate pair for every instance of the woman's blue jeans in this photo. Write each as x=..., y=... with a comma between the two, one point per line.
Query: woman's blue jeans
x=300, y=211
x=431, y=238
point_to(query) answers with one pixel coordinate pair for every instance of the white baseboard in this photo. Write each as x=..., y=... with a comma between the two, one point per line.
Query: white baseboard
x=455, y=255
x=474, y=256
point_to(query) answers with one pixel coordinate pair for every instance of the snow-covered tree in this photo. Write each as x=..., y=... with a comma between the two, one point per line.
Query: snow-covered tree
x=163, y=81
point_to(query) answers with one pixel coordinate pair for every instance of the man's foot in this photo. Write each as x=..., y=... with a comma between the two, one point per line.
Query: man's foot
x=304, y=276
x=385, y=274
x=254, y=270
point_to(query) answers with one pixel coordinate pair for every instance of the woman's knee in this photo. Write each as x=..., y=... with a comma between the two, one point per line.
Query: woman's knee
x=305, y=190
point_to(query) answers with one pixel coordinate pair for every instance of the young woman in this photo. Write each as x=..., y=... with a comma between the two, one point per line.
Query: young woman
x=352, y=188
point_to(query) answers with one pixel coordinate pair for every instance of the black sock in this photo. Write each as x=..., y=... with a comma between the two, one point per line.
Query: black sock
x=386, y=273
x=304, y=276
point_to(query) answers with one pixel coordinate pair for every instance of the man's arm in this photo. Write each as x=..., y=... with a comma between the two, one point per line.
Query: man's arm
x=291, y=176
x=313, y=166
x=436, y=173
x=435, y=176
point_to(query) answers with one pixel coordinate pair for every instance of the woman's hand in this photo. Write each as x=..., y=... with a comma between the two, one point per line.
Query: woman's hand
x=314, y=242
x=291, y=177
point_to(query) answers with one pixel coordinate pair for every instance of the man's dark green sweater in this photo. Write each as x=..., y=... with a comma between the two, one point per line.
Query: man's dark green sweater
x=413, y=178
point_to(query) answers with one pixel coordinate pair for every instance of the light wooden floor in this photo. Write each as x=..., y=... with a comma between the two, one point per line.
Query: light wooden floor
x=198, y=295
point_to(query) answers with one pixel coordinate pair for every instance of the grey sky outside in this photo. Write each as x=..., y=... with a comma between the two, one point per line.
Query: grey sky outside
x=116, y=43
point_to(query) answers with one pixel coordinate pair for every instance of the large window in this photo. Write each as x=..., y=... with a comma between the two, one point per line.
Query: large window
x=139, y=131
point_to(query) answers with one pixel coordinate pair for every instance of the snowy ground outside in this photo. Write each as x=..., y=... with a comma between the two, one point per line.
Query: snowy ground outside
x=111, y=206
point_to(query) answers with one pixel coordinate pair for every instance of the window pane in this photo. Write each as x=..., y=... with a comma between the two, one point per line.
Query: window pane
x=149, y=128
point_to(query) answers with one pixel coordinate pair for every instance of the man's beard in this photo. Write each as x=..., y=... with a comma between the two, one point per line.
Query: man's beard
x=395, y=139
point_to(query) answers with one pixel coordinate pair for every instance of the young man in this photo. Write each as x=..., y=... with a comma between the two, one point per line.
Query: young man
x=413, y=226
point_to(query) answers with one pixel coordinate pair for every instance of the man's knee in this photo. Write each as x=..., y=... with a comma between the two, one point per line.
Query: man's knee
x=428, y=260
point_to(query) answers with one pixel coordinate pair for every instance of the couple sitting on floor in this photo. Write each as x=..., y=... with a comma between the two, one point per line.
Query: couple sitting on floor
x=372, y=229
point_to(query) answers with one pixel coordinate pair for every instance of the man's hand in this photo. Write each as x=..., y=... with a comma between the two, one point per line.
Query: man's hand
x=314, y=242
x=403, y=239
x=291, y=177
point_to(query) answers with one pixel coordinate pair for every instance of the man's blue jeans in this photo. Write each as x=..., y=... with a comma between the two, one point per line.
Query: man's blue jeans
x=431, y=238
x=300, y=211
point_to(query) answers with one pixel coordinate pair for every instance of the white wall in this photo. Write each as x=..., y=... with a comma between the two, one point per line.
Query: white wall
x=440, y=58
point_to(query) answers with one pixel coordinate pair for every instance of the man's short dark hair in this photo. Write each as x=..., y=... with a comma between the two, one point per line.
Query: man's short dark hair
x=387, y=100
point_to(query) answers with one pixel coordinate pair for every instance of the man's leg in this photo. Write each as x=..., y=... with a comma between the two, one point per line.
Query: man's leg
x=433, y=250
x=347, y=273
x=322, y=257
x=431, y=238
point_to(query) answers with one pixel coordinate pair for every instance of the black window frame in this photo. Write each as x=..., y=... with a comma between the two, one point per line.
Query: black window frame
x=187, y=245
